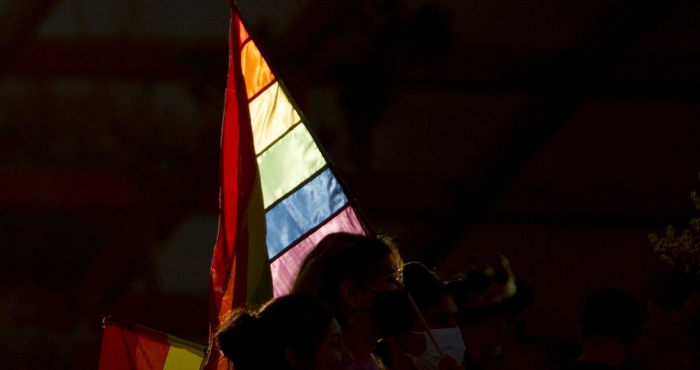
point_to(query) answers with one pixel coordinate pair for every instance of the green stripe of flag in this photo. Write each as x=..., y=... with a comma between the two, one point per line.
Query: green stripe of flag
x=288, y=163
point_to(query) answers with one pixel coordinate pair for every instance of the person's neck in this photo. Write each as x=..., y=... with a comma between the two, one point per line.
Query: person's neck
x=357, y=340
x=610, y=351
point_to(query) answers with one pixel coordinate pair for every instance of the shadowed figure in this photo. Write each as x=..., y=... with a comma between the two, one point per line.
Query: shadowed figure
x=610, y=323
x=358, y=277
x=294, y=332
x=413, y=348
x=490, y=298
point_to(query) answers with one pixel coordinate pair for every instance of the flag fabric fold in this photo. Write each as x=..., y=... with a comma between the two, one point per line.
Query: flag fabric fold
x=279, y=193
x=134, y=347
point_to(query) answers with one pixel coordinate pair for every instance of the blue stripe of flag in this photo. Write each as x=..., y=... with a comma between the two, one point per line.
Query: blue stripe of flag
x=303, y=210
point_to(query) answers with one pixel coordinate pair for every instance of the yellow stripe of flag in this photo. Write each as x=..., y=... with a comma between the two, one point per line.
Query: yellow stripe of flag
x=271, y=115
x=182, y=356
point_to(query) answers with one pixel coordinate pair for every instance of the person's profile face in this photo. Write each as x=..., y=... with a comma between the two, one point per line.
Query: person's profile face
x=389, y=278
x=441, y=314
x=331, y=353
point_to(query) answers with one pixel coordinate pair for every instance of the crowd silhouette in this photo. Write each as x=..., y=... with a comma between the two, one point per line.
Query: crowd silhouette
x=355, y=305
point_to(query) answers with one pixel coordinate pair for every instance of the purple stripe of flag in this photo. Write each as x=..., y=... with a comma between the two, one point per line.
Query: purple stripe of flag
x=286, y=267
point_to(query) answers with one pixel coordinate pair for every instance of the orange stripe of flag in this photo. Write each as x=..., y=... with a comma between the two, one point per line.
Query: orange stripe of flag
x=256, y=72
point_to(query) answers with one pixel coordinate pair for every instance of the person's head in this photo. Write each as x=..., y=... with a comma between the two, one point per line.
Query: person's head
x=294, y=332
x=610, y=314
x=434, y=299
x=433, y=296
x=358, y=277
x=489, y=298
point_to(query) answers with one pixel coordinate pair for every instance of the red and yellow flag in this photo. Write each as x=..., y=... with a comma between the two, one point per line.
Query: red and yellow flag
x=127, y=346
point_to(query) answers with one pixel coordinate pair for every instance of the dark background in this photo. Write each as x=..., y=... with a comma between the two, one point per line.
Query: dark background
x=558, y=133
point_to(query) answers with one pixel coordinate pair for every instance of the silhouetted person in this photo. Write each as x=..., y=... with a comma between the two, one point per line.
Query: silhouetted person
x=610, y=323
x=413, y=349
x=489, y=300
x=358, y=277
x=294, y=332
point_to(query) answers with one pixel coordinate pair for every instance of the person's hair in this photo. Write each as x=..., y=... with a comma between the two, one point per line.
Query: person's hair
x=258, y=339
x=611, y=312
x=424, y=285
x=339, y=257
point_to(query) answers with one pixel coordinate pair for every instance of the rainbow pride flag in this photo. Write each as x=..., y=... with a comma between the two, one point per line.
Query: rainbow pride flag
x=280, y=194
x=134, y=347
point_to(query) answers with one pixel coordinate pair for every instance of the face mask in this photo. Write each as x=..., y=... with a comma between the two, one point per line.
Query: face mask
x=391, y=312
x=451, y=344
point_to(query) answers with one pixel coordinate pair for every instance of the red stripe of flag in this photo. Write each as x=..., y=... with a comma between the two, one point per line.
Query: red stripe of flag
x=127, y=346
x=228, y=283
x=118, y=348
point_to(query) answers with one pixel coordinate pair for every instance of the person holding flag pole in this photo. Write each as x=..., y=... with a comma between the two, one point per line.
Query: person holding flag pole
x=360, y=279
x=431, y=339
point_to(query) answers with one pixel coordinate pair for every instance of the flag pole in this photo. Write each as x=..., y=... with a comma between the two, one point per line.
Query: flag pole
x=425, y=324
